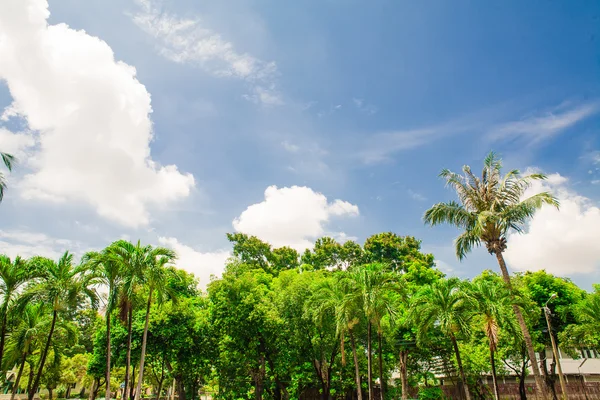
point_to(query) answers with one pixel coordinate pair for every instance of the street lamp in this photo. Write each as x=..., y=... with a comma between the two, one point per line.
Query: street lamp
x=547, y=314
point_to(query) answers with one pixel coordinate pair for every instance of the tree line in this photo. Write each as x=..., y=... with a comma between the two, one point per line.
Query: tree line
x=337, y=319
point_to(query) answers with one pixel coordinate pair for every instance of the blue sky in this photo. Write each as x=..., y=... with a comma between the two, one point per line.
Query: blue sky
x=364, y=102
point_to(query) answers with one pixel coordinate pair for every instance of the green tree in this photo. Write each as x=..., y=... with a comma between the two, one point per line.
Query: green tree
x=61, y=286
x=335, y=295
x=13, y=276
x=398, y=252
x=372, y=287
x=489, y=208
x=29, y=330
x=156, y=278
x=493, y=307
x=446, y=304
x=108, y=270
x=8, y=161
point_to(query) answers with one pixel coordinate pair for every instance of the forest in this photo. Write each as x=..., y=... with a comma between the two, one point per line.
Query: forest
x=376, y=320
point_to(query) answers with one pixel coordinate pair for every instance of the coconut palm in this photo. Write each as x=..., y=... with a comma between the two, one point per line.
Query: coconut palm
x=13, y=275
x=108, y=271
x=8, y=161
x=490, y=207
x=589, y=311
x=61, y=287
x=136, y=263
x=334, y=296
x=372, y=286
x=493, y=305
x=156, y=277
x=32, y=327
x=445, y=304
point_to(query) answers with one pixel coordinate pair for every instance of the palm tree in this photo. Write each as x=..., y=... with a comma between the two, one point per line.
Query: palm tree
x=489, y=208
x=493, y=305
x=32, y=326
x=61, y=287
x=13, y=275
x=135, y=262
x=334, y=296
x=372, y=286
x=105, y=266
x=8, y=161
x=156, y=278
x=589, y=311
x=444, y=304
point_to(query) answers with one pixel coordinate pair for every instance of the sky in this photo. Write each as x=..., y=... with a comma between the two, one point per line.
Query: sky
x=176, y=122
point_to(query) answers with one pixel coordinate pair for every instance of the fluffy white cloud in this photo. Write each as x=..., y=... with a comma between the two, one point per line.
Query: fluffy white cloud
x=202, y=265
x=28, y=244
x=184, y=40
x=15, y=143
x=563, y=241
x=291, y=216
x=92, y=115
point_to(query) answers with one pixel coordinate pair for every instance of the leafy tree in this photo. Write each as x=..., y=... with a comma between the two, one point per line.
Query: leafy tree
x=446, y=304
x=492, y=305
x=13, y=276
x=335, y=295
x=30, y=328
x=61, y=286
x=489, y=208
x=372, y=286
x=155, y=276
x=8, y=161
x=108, y=269
x=396, y=251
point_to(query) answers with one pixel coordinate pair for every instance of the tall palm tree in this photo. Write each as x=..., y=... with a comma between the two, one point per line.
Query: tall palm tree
x=8, y=161
x=445, y=304
x=489, y=207
x=156, y=278
x=135, y=260
x=334, y=296
x=61, y=286
x=13, y=275
x=493, y=305
x=108, y=271
x=32, y=326
x=372, y=286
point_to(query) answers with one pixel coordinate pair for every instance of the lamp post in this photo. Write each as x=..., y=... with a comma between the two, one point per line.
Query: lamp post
x=547, y=314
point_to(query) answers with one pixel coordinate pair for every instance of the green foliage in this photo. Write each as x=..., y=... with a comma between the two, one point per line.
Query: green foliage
x=277, y=324
x=431, y=393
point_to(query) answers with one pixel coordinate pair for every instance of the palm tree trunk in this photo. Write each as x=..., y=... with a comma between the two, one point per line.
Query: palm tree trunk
x=526, y=335
x=380, y=351
x=404, y=373
x=128, y=359
x=108, y=355
x=36, y=383
x=3, y=334
x=30, y=377
x=356, y=367
x=494, y=377
x=369, y=361
x=18, y=378
x=460, y=367
x=138, y=392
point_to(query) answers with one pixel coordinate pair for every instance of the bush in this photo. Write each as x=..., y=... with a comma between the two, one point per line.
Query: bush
x=431, y=393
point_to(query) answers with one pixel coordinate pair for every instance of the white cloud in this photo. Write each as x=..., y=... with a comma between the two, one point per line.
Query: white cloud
x=92, y=116
x=562, y=242
x=184, y=40
x=202, y=265
x=416, y=196
x=292, y=216
x=292, y=148
x=28, y=244
x=16, y=144
x=534, y=129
